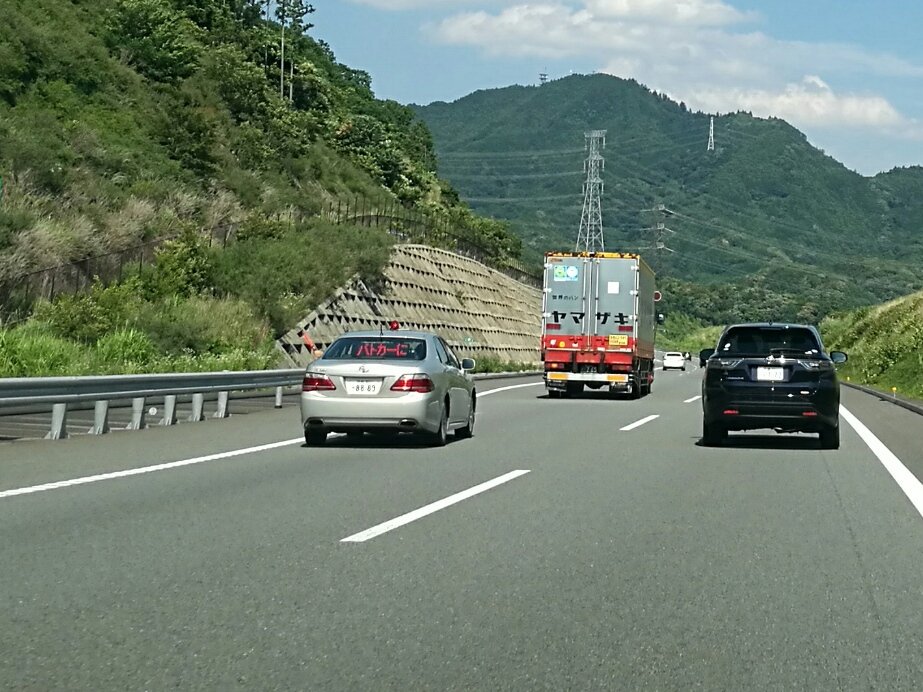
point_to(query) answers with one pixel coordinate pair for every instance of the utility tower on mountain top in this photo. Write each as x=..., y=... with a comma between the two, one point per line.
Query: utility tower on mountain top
x=590, y=235
x=711, y=135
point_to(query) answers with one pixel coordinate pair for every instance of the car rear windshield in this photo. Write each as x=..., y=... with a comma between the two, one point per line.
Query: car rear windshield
x=384, y=348
x=765, y=341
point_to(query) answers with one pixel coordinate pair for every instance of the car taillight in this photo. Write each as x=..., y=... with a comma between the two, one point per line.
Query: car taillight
x=413, y=383
x=314, y=382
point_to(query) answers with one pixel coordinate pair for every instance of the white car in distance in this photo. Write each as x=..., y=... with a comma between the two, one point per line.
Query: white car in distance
x=674, y=359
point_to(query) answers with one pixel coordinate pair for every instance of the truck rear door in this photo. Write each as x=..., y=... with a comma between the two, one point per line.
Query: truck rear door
x=566, y=311
x=614, y=282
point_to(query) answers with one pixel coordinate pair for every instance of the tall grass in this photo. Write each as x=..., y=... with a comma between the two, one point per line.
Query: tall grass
x=884, y=343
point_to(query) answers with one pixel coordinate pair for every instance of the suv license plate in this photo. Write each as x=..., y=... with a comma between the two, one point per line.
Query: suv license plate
x=770, y=374
x=367, y=387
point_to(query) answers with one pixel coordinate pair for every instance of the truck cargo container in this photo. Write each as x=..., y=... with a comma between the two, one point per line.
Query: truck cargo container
x=598, y=323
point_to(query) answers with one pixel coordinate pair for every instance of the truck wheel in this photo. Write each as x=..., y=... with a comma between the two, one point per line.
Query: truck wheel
x=635, y=391
x=574, y=388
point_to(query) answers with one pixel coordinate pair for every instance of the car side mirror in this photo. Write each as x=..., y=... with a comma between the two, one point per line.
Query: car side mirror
x=838, y=357
x=661, y=318
x=468, y=364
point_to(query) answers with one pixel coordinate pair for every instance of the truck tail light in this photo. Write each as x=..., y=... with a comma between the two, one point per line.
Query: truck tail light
x=417, y=382
x=316, y=382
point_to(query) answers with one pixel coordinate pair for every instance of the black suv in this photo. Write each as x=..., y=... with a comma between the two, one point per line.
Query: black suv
x=767, y=375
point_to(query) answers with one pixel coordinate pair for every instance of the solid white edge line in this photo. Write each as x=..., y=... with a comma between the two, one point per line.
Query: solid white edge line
x=909, y=483
x=147, y=469
x=488, y=392
x=397, y=522
x=639, y=423
x=695, y=398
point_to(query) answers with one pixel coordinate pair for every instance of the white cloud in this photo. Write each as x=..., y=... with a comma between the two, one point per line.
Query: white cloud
x=809, y=102
x=688, y=12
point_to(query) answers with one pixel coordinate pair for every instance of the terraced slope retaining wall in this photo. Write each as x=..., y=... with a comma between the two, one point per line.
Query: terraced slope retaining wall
x=477, y=310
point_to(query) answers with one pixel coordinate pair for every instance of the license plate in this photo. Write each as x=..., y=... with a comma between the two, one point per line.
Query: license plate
x=367, y=387
x=770, y=374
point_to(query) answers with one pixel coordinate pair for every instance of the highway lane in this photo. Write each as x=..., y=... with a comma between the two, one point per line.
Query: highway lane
x=624, y=558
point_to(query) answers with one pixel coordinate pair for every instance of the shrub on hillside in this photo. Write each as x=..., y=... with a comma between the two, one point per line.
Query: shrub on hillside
x=202, y=325
x=183, y=267
x=89, y=316
x=34, y=350
x=156, y=39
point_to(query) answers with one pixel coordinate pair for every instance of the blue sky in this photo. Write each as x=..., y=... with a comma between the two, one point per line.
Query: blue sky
x=848, y=73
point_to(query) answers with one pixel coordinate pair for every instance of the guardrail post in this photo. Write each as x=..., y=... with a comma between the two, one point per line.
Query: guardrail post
x=222, y=411
x=138, y=421
x=198, y=403
x=278, y=397
x=100, y=417
x=58, y=423
x=169, y=410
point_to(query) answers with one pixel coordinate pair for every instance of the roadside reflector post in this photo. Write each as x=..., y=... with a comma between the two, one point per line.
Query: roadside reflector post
x=198, y=403
x=169, y=410
x=138, y=414
x=894, y=392
x=278, y=397
x=100, y=417
x=58, y=423
x=222, y=411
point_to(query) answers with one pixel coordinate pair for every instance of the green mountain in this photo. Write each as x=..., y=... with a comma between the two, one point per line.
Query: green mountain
x=766, y=226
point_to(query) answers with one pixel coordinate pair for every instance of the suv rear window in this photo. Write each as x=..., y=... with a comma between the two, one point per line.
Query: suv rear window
x=763, y=341
x=385, y=348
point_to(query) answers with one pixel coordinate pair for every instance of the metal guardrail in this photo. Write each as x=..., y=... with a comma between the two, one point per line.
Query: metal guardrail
x=59, y=394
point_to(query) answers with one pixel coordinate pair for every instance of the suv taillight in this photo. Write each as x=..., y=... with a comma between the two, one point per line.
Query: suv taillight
x=413, y=383
x=315, y=382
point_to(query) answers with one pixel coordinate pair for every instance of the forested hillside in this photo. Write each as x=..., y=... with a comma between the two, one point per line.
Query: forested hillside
x=127, y=121
x=765, y=226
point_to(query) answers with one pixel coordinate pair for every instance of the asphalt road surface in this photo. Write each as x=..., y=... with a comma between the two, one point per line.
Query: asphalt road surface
x=571, y=544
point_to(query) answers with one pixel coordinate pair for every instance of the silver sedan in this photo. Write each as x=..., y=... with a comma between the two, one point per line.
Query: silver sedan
x=391, y=381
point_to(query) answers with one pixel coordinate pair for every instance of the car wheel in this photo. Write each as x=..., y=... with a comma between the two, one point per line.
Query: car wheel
x=441, y=436
x=315, y=438
x=713, y=434
x=468, y=430
x=830, y=437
